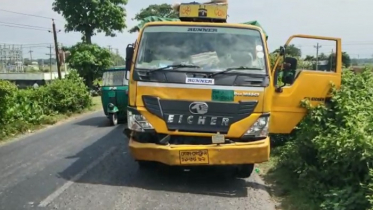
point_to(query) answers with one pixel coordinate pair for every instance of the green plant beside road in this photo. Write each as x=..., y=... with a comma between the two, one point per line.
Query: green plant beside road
x=22, y=110
x=326, y=163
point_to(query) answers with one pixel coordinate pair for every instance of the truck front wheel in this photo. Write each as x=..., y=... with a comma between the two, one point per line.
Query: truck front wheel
x=244, y=171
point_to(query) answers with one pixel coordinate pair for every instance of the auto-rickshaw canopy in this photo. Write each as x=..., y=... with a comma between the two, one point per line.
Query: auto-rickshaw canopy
x=114, y=76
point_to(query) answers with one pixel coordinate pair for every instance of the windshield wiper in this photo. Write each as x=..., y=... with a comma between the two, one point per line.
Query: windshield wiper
x=233, y=68
x=175, y=67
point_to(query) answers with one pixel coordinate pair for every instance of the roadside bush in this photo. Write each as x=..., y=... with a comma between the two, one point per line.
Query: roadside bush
x=331, y=154
x=21, y=109
x=7, y=91
x=68, y=95
x=26, y=107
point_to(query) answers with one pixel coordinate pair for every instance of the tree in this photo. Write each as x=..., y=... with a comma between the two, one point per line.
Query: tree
x=91, y=16
x=117, y=60
x=346, y=60
x=89, y=60
x=26, y=62
x=322, y=56
x=310, y=58
x=160, y=10
x=291, y=50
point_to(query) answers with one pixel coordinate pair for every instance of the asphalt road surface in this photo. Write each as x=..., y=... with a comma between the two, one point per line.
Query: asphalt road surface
x=85, y=164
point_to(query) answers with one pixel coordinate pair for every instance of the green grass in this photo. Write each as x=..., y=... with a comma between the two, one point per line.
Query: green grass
x=283, y=186
x=97, y=104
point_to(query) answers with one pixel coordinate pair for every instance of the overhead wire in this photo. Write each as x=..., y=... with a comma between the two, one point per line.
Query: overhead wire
x=23, y=27
x=31, y=15
x=28, y=45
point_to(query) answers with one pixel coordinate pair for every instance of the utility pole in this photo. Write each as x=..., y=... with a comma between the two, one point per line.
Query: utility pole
x=50, y=59
x=117, y=57
x=56, y=49
x=30, y=55
x=317, y=55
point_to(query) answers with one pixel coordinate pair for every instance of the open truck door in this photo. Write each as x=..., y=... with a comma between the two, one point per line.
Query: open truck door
x=307, y=78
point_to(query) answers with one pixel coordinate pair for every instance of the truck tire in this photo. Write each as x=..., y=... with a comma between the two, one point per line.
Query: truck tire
x=145, y=164
x=244, y=171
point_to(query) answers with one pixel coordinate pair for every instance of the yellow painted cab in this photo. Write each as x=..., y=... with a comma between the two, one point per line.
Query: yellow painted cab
x=202, y=91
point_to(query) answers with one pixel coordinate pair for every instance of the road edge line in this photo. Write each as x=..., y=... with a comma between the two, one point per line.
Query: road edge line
x=63, y=188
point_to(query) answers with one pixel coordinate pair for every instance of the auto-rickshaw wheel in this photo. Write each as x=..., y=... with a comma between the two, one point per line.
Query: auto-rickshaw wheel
x=113, y=117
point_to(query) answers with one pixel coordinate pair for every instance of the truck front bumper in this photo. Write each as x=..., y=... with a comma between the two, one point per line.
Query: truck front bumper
x=224, y=154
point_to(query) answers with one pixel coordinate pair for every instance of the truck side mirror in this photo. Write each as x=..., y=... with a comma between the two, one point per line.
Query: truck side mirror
x=129, y=56
x=288, y=73
x=287, y=78
x=290, y=63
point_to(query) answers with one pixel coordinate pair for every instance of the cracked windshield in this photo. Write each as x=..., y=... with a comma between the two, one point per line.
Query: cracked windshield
x=210, y=48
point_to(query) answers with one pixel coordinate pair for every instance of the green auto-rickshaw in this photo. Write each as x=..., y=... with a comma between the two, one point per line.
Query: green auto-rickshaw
x=114, y=94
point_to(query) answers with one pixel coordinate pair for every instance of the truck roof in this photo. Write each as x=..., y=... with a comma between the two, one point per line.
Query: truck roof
x=161, y=19
x=210, y=12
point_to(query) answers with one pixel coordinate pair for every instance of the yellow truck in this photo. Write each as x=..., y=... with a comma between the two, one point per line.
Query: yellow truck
x=202, y=91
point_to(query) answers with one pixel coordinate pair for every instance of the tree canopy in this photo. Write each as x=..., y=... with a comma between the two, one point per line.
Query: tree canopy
x=346, y=60
x=159, y=10
x=291, y=50
x=117, y=60
x=91, y=16
x=89, y=60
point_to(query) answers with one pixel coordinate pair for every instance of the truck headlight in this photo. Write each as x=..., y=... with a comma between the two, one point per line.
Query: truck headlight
x=260, y=127
x=137, y=122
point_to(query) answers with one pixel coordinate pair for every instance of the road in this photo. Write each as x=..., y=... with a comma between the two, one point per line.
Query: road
x=85, y=164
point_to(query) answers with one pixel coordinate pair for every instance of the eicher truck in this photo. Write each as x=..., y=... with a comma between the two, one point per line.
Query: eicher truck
x=202, y=91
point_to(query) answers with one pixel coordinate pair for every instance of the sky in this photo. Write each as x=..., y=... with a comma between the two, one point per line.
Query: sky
x=346, y=19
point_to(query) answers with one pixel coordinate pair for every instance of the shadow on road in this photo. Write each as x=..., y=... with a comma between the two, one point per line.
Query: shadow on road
x=119, y=169
x=101, y=121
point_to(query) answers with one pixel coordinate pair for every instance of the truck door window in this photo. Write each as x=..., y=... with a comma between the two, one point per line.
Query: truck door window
x=311, y=55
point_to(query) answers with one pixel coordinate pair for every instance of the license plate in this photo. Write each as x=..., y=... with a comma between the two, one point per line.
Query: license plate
x=218, y=139
x=193, y=157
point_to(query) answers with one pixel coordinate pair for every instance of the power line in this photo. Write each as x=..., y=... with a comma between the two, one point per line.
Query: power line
x=28, y=46
x=20, y=13
x=13, y=26
x=343, y=44
x=24, y=25
x=36, y=45
x=33, y=47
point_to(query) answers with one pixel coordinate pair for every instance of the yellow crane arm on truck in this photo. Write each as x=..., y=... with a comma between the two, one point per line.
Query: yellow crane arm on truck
x=202, y=91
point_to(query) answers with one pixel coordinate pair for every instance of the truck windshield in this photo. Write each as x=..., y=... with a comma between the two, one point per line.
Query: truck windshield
x=211, y=48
